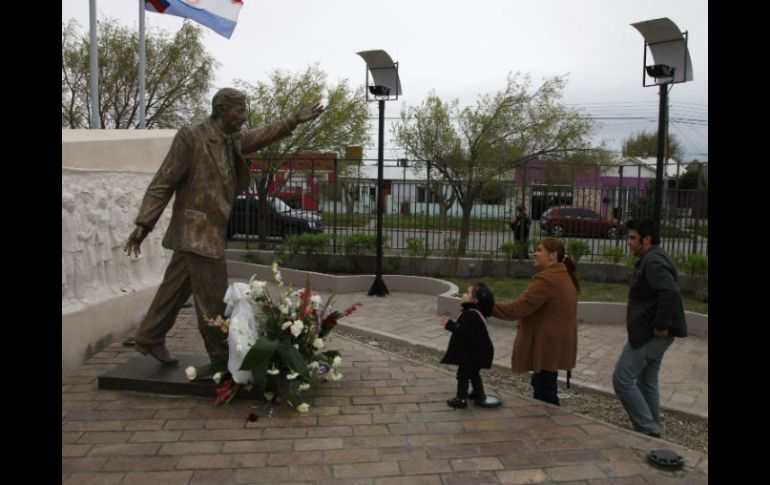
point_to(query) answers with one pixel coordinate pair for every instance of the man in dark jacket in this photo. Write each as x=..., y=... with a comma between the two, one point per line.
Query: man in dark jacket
x=520, y=227
x=205, y=170
x=655, y=315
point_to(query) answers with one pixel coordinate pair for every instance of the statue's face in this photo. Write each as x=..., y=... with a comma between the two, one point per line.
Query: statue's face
x=233, y=117
x=69, y=204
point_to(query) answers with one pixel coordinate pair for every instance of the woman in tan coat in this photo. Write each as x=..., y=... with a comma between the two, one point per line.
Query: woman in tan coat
x=546, y=340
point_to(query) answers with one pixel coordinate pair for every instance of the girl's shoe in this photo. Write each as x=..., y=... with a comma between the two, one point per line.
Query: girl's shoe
x=457, y=403
x=476, y=397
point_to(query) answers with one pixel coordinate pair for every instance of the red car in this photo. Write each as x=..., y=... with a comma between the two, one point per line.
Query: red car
x=575, y=221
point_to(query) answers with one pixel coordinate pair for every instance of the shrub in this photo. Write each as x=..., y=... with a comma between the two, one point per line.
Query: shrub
x=451, y=247
x=702, y=295
x=507, y=248
x=613, y=254
x=576, y=249
x=631, y=261
x=358, y=244
x=697, y=265
x=514, y=250
x=307, y=243
x=416, y=246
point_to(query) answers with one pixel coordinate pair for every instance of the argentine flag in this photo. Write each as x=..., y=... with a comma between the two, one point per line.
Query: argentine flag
x=218, y=15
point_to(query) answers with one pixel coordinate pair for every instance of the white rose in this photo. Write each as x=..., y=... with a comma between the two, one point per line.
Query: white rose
x=191, y=373
x=217, y=377
x=303, y=408
x=304, y=387
x=258, y=288
x=335, y=376
x=318, y=343
x=297, y=328
x=337, y=361
x=316, y=301
x=286, y=324
x=292, y=376
x=313, y=365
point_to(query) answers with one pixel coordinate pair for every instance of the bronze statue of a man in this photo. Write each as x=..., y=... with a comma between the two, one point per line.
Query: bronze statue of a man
x=206, y=170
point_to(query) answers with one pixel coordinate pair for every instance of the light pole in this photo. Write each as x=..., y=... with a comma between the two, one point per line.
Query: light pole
x=668, y=46
x=385, y=86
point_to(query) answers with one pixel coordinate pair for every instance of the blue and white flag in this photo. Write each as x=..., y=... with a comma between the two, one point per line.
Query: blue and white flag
x=218, y=15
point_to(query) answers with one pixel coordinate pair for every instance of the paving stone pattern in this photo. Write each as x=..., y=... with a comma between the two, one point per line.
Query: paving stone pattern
x=385, y=423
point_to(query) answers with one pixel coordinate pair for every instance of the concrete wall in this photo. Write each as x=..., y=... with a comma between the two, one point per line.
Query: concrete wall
x=115, y=150
x=105, y=174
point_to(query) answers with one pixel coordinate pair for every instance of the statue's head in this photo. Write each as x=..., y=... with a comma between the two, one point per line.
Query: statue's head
x=68, y=201
x=229, y=107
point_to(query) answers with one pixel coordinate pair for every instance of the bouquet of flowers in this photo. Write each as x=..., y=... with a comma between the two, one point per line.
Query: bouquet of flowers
x=278, y=344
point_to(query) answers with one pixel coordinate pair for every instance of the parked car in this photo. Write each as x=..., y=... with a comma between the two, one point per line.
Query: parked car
x=283, y=221
x=561, y=221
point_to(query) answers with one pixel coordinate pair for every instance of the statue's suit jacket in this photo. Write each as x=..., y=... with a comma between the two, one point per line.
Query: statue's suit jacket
x=205, y=169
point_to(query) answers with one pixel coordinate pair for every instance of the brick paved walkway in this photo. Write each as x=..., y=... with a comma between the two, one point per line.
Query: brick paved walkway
x=385, y=423
x=411, y=318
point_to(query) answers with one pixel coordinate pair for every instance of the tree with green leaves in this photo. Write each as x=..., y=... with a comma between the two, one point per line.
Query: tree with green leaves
x=179, y=74
x=343, y=123
x=645, y=145
x=470, y=147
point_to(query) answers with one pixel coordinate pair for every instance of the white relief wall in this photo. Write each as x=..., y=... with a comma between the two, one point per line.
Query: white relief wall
x=98, y=212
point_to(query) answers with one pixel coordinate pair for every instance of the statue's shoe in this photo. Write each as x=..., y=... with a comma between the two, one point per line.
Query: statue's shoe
x=160, y=353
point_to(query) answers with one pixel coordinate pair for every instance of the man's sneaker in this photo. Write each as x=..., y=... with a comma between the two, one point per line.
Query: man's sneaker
x=457, y=403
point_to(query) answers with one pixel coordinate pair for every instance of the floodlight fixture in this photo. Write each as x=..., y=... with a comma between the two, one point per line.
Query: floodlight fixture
x=668, y=46
x=672, y=65
x=379, y=90
x=385, y=83
x=660, y=71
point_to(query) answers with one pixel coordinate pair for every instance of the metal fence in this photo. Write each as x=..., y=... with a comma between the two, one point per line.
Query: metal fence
x=420, y=216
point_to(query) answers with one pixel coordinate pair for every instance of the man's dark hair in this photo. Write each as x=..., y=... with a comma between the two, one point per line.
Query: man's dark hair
x=645, y=227
x=485, y=297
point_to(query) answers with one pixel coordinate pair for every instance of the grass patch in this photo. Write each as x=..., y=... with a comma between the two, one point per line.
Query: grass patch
x=505, y=288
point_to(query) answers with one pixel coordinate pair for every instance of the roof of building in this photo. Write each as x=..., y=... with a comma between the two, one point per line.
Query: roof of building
x=672, y=168
x=391, y=173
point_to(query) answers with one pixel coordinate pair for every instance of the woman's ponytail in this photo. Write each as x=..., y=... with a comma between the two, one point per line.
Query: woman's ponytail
x=573, y=272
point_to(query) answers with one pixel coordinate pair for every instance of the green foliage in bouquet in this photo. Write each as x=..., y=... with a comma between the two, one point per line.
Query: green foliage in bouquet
x=287, y=358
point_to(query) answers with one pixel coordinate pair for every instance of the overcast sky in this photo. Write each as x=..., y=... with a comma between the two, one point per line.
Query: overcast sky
x=462, y=49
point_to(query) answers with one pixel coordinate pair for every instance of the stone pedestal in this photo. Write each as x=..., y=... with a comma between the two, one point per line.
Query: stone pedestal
x=145, y=374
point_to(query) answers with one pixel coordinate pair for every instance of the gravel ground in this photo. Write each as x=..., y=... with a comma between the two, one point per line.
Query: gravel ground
x=688, y=431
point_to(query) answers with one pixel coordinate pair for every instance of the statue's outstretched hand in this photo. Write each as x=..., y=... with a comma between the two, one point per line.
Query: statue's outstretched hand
x=307, y=114
x=135, y=241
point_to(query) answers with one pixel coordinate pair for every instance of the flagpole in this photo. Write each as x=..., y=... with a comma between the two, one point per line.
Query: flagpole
x=142, y=114
x=94, y=58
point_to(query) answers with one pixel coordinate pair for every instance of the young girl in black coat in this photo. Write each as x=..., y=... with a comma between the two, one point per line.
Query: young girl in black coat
x=470, y=346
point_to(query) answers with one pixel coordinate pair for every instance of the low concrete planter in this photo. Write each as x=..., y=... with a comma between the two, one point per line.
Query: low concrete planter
x=441, y=266
x=447, y=301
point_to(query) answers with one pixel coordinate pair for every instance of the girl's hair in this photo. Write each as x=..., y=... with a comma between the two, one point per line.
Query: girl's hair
x=486, y=300
x=554, y=245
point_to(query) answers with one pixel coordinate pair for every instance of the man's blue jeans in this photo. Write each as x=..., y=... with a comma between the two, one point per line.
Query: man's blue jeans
x=635, y=381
